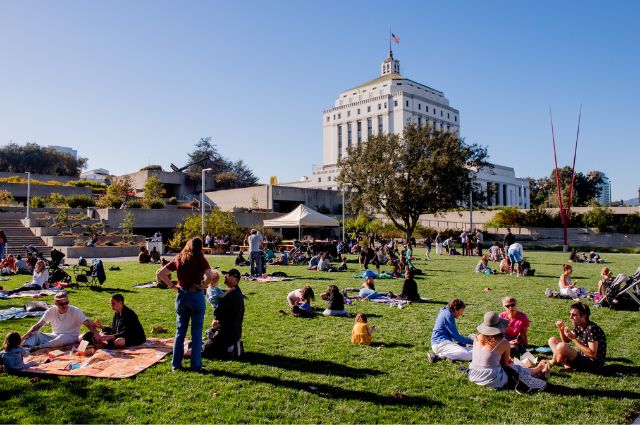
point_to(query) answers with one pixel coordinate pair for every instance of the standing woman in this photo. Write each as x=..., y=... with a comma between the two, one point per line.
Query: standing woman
x=191, y=267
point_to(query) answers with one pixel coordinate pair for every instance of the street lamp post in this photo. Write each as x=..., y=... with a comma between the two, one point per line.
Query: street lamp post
x=204, y=170
x=28, y=195
x=343, y=239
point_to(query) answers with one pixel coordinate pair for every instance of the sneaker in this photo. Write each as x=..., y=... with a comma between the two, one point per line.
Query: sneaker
x=528, y=384
x=432, y=357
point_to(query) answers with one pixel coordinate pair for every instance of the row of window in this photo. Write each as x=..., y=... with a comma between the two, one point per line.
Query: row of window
x=395, y=103
x=358, y=132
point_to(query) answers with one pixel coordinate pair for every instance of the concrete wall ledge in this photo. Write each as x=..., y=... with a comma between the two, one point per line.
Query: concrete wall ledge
x=100, y=251
x=69, y=240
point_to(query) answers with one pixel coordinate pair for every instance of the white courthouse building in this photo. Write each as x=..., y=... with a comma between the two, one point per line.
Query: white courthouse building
x=386, y=105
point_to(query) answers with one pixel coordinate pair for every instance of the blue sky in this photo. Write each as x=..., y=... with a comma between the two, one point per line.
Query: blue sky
x=133, y=83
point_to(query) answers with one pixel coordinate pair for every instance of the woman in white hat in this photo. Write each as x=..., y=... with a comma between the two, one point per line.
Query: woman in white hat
x=491, y=357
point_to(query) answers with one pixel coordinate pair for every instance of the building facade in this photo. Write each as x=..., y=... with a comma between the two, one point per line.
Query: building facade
x=65, y=149
x=386, y=105
x=604, y=198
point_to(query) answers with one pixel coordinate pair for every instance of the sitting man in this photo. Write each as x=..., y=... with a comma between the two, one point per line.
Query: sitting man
x=223, y=339
x=125, y=329
x=22, y=266
x=144, y=257
x=65, y=322
x=154, y=255
x=589, y=340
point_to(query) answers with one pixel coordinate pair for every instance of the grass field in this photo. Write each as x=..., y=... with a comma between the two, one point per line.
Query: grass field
x=307, y=371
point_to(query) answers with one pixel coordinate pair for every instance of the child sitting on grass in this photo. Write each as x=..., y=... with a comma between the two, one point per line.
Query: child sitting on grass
x=300, y=301
x=335, y=302
x=12, y=355
x=361, y=333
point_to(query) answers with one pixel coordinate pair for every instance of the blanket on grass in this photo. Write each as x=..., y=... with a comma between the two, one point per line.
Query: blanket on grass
x=31, y=294
x=104, y=363
x=151, y=284
x=267, y=279
x=18, y=313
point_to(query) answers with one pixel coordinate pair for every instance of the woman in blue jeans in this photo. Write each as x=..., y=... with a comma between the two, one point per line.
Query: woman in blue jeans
x=194, y=275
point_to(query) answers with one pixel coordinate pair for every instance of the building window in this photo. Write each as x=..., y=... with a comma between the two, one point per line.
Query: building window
x=369, y=127
x=441, y=113
x=448, y=128
x=334, y=117
x=368, y=108
x=348, y=113
x=385, y=105
x=380, y=129
x=448, y=116
x=358, y=111
x=406, y=103
x=379, y=106
x=419, y=107
x=339, y=141
x=328, y=117
x=349, y=134
x=395, y=103
x=359, y=132
x=419, y=122
x=329, y=178
x=319, y=179
x=339, y=116
x=455, y=118
x=434, y=111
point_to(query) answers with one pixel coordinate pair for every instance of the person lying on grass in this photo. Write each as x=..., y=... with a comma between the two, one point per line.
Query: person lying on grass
x=589, y=340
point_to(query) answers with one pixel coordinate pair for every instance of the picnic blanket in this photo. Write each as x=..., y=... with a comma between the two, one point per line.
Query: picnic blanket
x=104, y=363
x=267, y=279
x=374, y=275
x=31, y=294
x=151, y=284
x=18, y=313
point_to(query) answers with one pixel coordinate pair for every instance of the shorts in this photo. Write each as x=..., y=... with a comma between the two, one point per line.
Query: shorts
x=515, y=257
x=584, y=363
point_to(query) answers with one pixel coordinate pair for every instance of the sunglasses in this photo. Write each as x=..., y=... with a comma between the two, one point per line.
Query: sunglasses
x=510, y=305
x=63, y=303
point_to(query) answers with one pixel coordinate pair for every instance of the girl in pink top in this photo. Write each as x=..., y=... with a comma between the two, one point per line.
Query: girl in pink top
x=516, y=332
x=300, y=296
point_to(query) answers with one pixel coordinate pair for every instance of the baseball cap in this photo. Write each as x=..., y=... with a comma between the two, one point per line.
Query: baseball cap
x=233, y=273
x=61, y=296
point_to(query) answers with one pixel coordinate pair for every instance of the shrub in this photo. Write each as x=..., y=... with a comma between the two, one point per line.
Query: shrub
x=156, y=204
x=80, y=201
x=109, y=200
x=6, y=197
x=151, y=168
x=539, y=217
x=173, y=201
x=62, y=218
x=630, y=224
x=134, y=203
x=38, y=202
x=600, y=217
x=57, y=200
x=96, y=187
x=216, y=223
x=506, y=217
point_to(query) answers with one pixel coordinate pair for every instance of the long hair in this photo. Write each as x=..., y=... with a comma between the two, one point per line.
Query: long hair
x=490, y=340
x=191, y=250
x=307, y=293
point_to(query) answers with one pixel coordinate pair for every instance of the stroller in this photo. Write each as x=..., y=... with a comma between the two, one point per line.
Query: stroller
x=93, y=275
x=56, y=273
x=623, y=292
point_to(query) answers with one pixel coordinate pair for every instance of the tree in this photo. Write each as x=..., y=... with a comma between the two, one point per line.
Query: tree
x=419, y=172
x=207, y=151
x=215, y=223
x=244, y=174
x=32, y=157
x=128, y=220
x=585, y=188
x=228, y=174
x=153, y=190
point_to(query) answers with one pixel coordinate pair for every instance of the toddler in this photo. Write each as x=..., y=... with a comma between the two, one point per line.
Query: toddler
x=12, y=355
x=361, y=333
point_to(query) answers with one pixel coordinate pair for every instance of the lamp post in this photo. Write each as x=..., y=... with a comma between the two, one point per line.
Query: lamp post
x=28, y=195
x=204, y=170
x=343, y=239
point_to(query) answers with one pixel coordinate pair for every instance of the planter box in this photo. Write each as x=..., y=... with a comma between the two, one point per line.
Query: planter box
x=100, y=251
x=59, y=241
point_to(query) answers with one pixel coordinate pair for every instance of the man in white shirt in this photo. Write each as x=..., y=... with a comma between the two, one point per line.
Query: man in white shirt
x=255, y=252
x=463, y=240
x=65, y=320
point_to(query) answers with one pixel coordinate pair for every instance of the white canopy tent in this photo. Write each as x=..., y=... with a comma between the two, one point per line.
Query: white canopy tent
x=302, y=216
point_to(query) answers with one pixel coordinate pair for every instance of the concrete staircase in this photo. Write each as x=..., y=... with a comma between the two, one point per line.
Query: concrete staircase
x=18, y=236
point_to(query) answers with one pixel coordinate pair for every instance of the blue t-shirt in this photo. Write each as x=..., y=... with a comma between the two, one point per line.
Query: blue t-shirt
x=445, y=329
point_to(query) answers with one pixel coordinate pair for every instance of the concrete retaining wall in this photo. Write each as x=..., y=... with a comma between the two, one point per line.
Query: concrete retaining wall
x=58, y=241
x=19, y=190
x=543, y=236
x=165, y=218
x=100, y=251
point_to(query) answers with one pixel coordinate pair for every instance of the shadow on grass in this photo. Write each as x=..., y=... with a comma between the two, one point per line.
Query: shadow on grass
x=591, y=392
x=109, y=290
x=391, y=344
x=331, y=392
x=309, y=366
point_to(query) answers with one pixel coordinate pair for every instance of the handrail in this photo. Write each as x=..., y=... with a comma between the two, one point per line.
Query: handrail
x=193, y=207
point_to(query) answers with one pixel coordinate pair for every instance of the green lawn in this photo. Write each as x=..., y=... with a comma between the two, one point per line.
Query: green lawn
x=307, y=371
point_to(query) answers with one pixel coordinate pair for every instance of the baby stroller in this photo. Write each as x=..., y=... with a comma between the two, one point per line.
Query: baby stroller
x=56, y=273
x=92, y=275
x=623, y=292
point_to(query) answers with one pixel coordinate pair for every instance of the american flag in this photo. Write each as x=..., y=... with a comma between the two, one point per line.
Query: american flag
x=395, y=38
